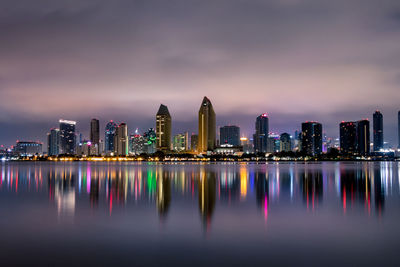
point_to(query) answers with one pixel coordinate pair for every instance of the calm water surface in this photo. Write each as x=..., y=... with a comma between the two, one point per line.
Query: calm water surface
x=144, y=214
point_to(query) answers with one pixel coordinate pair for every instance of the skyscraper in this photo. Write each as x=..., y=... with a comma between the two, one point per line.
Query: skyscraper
x=163, y=128
x=311, y=141
x=67, y=137
x=355, y=137
x=94, y=131
x=285, y=142
x=378, y=131
x=348, y=137
x=229, y=135
x=207, y=127
x=194, y=140
x=121, y=141
x=53, y=142
x=109, y=137
x=363, y=137
x=260, y=137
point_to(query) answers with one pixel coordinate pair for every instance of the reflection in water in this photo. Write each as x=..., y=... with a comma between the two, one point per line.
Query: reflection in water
x=163, y=194
x=207, y=186
x=350, y=186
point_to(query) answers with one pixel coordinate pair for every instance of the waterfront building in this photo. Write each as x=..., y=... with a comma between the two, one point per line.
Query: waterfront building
x=95, y=132
x=378, y=130
x=121, y=140
x=67, y=137
x=27, y=149
x=163, y=128
x=53, y=142
x=355, y=137
x=207, y=127
x=194, y=138
x=181, y=142
x=260, y=138
x=109, y=137
x=311, y=142
x=285, y=142
x=247, y=145
x=150, y=138
x=273, y=143
x=229, y=135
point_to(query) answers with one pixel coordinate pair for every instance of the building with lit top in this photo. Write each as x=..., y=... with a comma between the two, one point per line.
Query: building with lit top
x=163, y=128
x=311, y=141
x=378, y=130
x=260, y=138
x=207, y=127
x=67, y=137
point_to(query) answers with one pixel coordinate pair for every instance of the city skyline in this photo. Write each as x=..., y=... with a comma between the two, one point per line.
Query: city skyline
x=119, y=60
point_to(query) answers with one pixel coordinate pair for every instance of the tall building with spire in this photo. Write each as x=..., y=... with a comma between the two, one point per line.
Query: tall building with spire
x=378, y=130
x=207, y=127
x=163, y=128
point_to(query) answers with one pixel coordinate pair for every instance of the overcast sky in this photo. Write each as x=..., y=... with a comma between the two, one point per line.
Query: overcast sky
x=296, y=60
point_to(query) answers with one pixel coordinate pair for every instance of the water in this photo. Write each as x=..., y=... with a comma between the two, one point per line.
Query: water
x=148, y=214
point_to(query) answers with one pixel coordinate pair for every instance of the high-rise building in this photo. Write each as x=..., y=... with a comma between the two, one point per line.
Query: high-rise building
x=348, y=137
x=207, y=127
x=67, y=137
x=94, y=131
x=194, y=140
x=260, y=138
x=285, y=142
x=378, y=130
x=311, y=142
x=181, y=142
x=273, y=143
x=121, y=140
x=110, y=129
x=163, y=128
x=229, y=135
x=53, y=142
x=354, y=137
x=363, y=137
x=247, y=145
x=150, y=138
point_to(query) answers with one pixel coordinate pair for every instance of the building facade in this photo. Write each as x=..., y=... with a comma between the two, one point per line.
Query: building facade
x=53, y=142
x=285, y=142
x=95, y=132
x=207, y=127
x=121, y=140
x=311, y=141
x=229, y=135
x=163, y=128
x=181, y=142
x=378, y=130
x=110, y=130
x=260, y=138
x=67, y=137
x=27, y=149
x=355, y=137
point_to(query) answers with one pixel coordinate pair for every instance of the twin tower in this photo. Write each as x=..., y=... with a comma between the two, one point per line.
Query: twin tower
x=206, y=134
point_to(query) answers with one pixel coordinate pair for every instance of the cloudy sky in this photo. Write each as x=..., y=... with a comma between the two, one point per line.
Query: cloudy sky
x=296, y=60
